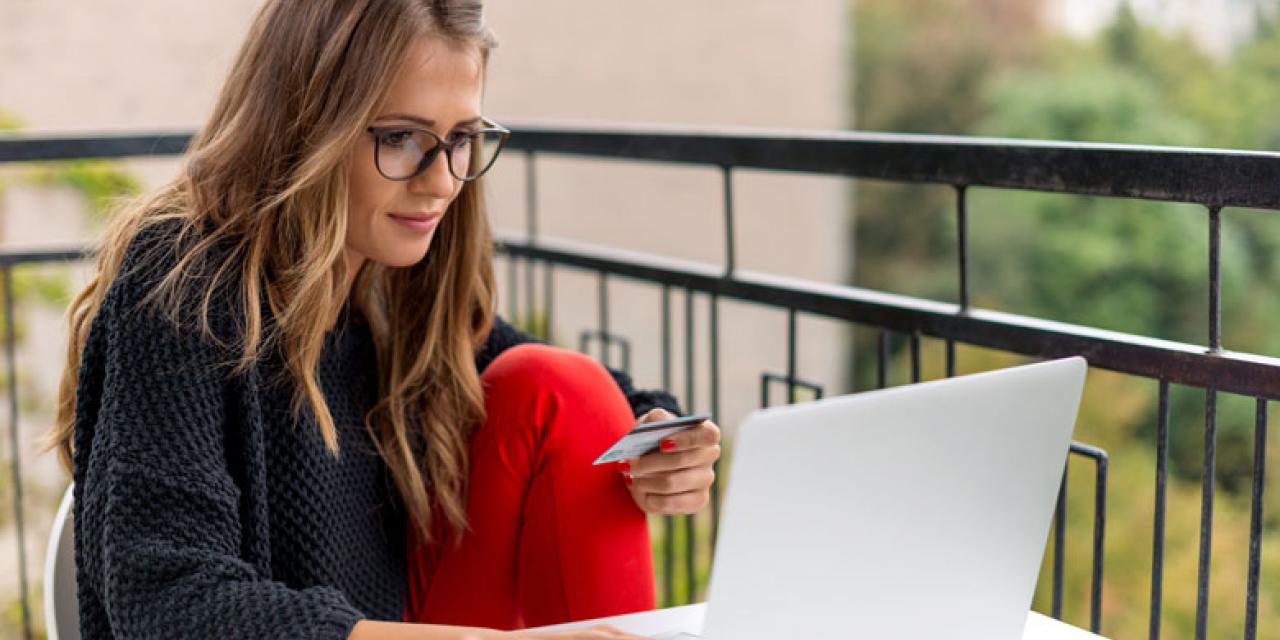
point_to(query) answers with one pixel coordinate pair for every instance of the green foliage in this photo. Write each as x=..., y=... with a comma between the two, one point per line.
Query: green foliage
x=49, y=285
x=11, y=615
x=1087, y=103
x=1117, y=264
x=1123, y=41
x=534, y=325
x=101, y=182
x=8, y=121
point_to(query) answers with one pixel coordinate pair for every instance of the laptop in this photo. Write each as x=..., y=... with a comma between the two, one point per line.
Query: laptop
x=918, y=511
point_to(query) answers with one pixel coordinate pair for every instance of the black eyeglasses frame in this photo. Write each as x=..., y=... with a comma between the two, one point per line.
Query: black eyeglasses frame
x=429, y=155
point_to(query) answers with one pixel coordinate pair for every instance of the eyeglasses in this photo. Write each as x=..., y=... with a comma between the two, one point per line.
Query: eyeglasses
x=402, y=152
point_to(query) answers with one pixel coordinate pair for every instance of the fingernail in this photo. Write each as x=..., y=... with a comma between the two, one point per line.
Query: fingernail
x=668, y=444
x=628, y=479
x=625, y=466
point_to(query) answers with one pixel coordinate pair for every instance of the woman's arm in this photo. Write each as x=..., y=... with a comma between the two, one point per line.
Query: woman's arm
x=370, y=630
x=374, y=630
x=503, y=336
x=157, y=511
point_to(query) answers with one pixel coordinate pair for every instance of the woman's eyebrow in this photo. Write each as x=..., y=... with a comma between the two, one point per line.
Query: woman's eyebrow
x=424, y=121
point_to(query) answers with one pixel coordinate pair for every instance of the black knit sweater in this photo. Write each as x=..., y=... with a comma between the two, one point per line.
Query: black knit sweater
x=205, y=507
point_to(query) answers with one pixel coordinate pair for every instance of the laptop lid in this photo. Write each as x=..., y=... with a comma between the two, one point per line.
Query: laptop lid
x=912, y=512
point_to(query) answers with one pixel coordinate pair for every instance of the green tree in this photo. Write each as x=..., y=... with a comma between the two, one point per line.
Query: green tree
x=1119, y=264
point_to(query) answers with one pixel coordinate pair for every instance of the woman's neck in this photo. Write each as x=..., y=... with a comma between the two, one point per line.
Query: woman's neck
x=354, y=262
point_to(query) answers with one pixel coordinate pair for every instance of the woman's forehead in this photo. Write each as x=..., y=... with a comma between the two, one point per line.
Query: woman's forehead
x=437, y=75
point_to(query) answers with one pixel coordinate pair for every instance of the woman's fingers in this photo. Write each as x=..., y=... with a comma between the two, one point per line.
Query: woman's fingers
x=673, y=482
x=656, y=414
x=677, y=504
x=703, y=435
x=659, y=462
x=696, y=446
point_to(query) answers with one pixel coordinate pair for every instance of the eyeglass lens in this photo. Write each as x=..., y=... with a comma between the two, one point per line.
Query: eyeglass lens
x=403, y=153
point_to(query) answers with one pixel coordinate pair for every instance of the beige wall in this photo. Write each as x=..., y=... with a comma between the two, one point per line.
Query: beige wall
x=85, y=64
x=746, y=62
x=147, y=63
x=151, y=64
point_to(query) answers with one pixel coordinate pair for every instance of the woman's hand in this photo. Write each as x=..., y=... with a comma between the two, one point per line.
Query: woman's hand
x=594, y=632
x=676, y=479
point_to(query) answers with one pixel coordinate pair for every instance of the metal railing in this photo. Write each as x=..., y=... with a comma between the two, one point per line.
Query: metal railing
x=1210, y=178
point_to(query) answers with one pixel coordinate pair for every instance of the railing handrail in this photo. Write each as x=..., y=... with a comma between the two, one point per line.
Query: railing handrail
x=1227, y=371
x=1212, y=177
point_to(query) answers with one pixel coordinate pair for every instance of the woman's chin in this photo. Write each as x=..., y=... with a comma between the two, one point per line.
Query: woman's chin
x=403, y=256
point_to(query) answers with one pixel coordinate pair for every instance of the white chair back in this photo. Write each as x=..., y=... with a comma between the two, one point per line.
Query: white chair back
x=61, y=607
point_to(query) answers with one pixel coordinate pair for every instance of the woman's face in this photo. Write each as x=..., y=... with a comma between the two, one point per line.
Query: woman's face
x=392, y=222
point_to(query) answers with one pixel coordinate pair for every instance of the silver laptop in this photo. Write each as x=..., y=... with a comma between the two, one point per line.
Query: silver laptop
x=919, y=511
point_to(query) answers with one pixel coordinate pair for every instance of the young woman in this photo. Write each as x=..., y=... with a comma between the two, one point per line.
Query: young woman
x=288, y=408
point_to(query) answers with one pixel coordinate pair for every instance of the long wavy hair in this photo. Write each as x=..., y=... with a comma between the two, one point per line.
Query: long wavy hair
x=265, y=182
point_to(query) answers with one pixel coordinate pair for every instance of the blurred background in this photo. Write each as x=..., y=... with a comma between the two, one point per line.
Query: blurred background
x=1161, y=72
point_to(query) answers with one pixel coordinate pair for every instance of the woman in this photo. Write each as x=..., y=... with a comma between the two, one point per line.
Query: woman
x=288, y=408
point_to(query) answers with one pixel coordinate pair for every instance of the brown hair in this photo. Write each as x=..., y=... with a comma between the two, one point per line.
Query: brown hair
x=267, y=178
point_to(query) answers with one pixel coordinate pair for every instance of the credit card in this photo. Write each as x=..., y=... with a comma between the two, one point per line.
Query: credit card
x=645, y=438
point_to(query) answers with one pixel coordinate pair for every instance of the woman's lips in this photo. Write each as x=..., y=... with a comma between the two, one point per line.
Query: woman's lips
x=420, y=222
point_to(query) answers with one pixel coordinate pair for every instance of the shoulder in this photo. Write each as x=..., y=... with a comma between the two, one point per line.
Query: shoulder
x=154, y=250
x=160, y=283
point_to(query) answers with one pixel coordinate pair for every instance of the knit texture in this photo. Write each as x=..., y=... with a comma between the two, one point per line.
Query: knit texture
x=204, y=506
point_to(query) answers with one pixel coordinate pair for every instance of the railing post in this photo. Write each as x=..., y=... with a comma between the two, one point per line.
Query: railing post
x=531, y=197
x=691, y=573
x=668, y=521
x=962, y=256
x=1215, y=279
x=730, y=262
x=1206, y=511
x=715, y=412
x=1255, y=518
x=1059, y=543
x=10, y=348
x=1158, y=525
x=1210, y=425
x=791, y=356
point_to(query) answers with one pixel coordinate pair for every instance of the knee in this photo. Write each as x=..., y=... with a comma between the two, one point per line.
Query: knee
x=545, y=368
x=548, y=395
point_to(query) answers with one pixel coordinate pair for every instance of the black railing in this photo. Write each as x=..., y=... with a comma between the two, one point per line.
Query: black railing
x=1211, y=178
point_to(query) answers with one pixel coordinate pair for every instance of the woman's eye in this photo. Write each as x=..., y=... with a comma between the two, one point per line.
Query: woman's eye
x=460, y=138
x=395, y=138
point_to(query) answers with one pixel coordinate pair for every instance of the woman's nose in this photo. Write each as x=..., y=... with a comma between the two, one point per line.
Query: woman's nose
x=435, y=180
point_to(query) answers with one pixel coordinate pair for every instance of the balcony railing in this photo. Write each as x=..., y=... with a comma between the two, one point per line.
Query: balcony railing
x=1210, y=178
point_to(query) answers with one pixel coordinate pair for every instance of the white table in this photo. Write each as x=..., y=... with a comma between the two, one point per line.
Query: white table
x=689, y=618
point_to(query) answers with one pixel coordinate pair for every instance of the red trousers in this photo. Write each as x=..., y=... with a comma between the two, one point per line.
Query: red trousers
x=551, y=537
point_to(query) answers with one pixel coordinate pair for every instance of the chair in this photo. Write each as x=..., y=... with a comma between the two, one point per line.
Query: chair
x=61, y=608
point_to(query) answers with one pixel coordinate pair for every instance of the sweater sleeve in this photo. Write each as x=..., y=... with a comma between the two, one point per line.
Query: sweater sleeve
x=503, y=336
x=157, y=511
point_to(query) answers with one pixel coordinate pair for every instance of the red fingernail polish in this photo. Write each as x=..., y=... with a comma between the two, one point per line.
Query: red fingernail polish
x=668, y=445
x=628, y=479
x=624, y=467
